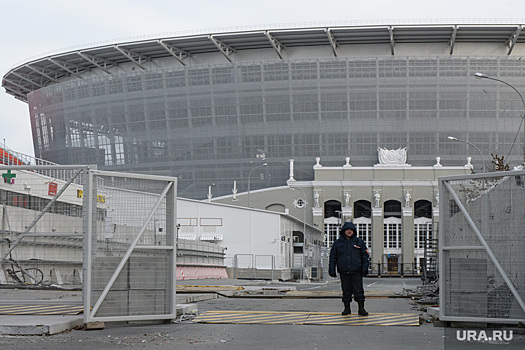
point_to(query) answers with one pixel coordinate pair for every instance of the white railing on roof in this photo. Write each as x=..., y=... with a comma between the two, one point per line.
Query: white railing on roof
x=11, y=157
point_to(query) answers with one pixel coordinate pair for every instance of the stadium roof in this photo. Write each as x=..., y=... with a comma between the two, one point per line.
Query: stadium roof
x=33, y=75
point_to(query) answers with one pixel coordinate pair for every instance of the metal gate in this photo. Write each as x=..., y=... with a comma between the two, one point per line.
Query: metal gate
x=481, y=247
x=112, y=233
x=130, y=247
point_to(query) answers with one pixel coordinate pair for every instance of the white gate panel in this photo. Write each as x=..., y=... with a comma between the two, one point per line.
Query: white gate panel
x=481, y=245
x=131, y=271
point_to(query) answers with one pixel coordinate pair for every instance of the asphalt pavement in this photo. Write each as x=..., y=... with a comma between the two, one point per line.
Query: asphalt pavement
x=185, y=333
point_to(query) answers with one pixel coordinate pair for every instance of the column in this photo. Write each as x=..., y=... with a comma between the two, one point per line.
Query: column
x=407, y=239
x=377, y=237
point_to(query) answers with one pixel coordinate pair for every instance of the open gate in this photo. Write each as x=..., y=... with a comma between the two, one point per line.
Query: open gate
x=130, y=252
x=112, y=233
x=481, y=245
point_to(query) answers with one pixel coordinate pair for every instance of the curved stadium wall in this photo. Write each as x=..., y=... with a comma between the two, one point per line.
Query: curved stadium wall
x=206, y=121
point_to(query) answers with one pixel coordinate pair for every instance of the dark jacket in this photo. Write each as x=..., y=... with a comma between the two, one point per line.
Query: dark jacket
x=350, y=255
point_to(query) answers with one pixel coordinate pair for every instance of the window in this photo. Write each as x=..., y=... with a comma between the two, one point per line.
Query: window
x=305, y=107
x=277, y=108
x=135, y=83
x=362, y=208
x=98, y=88
x=422, y=232
x=331, y=231
x=154, y=81
x=276, y=72
x=223, y=75
x=333, y=144
x=199, y=76
x=279, y=145
x=332, y=70
x=364, y=230
x=176, y=79
x=304, y=71
x=251, y=74
x=392, y=233
x=115, y=86
x=362, y=69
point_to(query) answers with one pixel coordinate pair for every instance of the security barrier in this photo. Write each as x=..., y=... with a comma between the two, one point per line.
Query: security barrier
x=112, y=233
x=131, y=253
x=481, y=245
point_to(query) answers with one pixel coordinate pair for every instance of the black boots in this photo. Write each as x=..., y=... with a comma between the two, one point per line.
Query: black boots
x=347, y=310
x=362, y=310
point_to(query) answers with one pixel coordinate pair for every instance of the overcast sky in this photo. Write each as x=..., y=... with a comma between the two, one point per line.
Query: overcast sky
x=35, y=28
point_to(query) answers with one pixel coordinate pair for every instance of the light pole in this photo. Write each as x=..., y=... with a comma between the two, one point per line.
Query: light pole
x=250, y=178
x=451, y=138
x=249, y=206
x=484, y=76
x=305, y=266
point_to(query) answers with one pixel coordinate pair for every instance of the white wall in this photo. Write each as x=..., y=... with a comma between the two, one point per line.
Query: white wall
x=264, y=237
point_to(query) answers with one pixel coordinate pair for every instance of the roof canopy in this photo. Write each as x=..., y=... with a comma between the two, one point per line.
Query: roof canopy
x=45, y=71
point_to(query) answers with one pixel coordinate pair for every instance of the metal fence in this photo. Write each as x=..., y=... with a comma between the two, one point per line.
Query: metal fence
x=130, y=250
x=41, y=225
x=481, y=247
x=379, y=270
x=112, y=233
x=251, y=266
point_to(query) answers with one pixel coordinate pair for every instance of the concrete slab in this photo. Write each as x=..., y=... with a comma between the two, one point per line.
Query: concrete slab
x=193, y=298
x=187, y=309
x=433, y=311
x=53, y=324
x=38, y=325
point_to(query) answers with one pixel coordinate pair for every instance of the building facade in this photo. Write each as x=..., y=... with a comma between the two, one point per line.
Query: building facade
x=260, y=244
x=394, y=205
x=213, y=240
x=206, y=108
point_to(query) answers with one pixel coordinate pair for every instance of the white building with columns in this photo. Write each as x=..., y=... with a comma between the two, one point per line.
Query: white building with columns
x=393, y=204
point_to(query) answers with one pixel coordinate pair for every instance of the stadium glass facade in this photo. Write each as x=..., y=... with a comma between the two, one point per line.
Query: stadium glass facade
x=210, y=124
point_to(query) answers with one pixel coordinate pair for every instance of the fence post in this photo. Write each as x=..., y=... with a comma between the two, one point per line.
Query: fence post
x=235, y=267
x=273, y=265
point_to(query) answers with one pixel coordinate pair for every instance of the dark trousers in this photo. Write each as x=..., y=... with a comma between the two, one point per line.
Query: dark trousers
x=352, y=284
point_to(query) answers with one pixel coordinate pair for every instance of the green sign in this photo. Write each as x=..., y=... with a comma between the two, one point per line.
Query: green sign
x=8, y=177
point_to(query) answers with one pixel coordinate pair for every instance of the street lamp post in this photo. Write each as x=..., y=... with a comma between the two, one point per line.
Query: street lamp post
x=250, y=178
x=249, y=206
x=451, y=138
x=305, y=266
x=484, y=76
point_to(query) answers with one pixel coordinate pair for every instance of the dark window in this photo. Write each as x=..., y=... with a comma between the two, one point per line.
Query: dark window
x=423, y=209
x=332, y=209
x=362, y=208
x=392, y=209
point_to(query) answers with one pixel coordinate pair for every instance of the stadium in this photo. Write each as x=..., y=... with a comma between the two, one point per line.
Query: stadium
x=207, y=108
